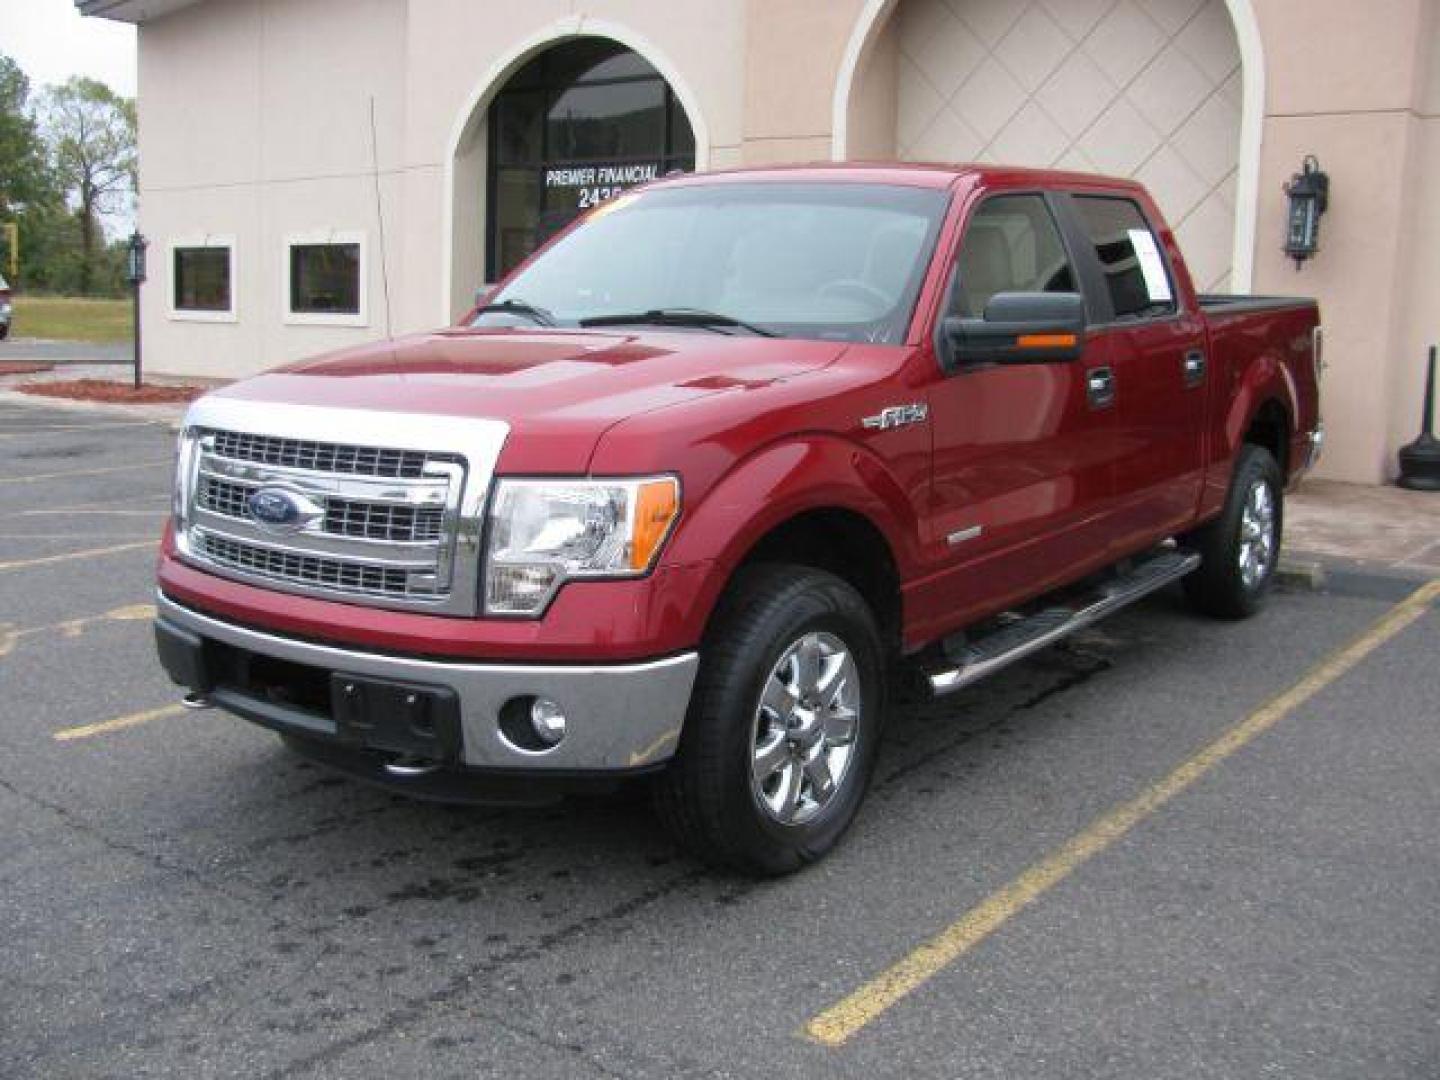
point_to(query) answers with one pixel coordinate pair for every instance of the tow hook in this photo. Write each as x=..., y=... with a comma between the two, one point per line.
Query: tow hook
x=410, y=767
x=196, y=700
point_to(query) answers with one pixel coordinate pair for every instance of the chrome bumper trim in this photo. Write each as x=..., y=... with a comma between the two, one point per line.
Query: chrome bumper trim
x=622, y=716
x=1313, y=447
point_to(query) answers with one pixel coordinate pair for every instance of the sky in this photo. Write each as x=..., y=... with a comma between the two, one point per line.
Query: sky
x=51, y=41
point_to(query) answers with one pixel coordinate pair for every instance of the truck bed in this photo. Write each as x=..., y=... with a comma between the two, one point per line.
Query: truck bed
x=1239, y=303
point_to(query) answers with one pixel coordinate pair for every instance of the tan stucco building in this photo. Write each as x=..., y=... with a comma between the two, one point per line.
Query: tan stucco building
x=286, y=145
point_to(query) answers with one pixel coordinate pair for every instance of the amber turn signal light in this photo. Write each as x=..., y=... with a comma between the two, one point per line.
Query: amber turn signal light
x=657, y=502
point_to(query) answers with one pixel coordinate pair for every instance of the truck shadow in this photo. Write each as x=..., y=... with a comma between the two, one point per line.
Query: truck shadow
x=394, y=852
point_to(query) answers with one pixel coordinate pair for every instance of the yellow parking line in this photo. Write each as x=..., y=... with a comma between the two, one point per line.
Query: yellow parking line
x=37, y=478
x=89, y=553
x=70, y=628
x=120, y=723
x=841, y=1021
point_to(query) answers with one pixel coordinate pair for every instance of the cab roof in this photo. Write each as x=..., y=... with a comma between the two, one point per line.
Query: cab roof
x=904, y=173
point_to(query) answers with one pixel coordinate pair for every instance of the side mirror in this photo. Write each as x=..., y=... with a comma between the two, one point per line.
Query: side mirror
x=1019, y=328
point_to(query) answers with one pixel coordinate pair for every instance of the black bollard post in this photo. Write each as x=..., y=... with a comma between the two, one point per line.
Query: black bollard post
x=1420, y=460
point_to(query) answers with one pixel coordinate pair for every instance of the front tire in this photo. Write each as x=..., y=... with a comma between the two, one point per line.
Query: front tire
x=1241, y=548
x=784, y=724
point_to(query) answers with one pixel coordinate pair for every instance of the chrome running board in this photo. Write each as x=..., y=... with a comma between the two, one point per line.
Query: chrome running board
x=1030, y=633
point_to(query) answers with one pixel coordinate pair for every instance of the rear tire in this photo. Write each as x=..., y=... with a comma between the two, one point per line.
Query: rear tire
x=783, y=726
x=1240, y=549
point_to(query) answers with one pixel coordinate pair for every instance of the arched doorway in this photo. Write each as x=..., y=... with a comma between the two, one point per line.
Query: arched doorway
x=576, y=125
x=1154, y=91
x=470, y=244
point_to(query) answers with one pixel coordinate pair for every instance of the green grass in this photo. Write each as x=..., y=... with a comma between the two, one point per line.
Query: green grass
x=70, y=318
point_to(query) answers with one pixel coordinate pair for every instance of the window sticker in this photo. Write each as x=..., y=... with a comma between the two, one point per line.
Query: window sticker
x=1157, y=284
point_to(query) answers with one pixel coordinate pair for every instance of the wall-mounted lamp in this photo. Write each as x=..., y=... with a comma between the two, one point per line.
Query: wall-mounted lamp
x=1309, y=192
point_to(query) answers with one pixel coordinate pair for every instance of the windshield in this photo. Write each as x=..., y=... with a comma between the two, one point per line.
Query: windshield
x=836, y=261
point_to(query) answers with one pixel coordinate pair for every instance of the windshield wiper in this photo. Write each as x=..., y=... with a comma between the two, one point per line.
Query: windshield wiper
x=704, y=320
x=519, y=307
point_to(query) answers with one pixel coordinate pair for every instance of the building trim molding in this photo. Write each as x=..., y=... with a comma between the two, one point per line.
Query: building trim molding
x=876, y=13
x=472, y=113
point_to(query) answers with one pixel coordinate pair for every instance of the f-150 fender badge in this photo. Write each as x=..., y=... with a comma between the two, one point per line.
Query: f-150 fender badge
x=917, y=412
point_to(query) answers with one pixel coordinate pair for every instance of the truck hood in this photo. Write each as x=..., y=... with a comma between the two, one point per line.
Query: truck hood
x=558, y=390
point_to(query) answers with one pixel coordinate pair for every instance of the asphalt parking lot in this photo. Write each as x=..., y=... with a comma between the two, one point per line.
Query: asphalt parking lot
x=1112, y=877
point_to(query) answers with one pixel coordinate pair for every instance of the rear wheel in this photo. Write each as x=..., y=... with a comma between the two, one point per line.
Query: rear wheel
x=783, y=725
x=1241, y=548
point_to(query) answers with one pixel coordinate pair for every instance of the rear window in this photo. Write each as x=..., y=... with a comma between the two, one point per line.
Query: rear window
x=1129, y=252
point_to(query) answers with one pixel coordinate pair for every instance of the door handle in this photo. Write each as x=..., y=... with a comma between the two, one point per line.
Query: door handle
x=1100, y=387
x=1194, y=368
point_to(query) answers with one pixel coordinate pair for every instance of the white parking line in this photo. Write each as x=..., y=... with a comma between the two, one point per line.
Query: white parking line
x=26, y=429
x=106, y=513
x=38, y=477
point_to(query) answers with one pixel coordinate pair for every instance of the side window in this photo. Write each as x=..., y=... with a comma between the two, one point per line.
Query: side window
x=1010, y=245
x=1129, y=255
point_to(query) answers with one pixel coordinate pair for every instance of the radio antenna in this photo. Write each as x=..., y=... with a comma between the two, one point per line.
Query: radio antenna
x=380, y=217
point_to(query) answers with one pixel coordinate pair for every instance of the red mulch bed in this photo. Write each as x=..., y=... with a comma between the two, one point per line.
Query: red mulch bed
x=104, y=390
x=20, y=367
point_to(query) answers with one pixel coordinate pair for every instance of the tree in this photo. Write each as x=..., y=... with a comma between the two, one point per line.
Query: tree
x=91, y=134
x=25, y=178
x=30, y=193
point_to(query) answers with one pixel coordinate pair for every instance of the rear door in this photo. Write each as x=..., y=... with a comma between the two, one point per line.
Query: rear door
x=1156, y=352
x=1022, y=452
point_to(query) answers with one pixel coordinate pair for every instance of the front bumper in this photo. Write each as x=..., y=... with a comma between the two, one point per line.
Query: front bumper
x=621, y=717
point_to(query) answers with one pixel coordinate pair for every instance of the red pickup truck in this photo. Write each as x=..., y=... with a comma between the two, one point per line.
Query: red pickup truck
x=719, y=472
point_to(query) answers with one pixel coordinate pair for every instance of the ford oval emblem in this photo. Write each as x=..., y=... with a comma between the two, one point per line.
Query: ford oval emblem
x=278, y=510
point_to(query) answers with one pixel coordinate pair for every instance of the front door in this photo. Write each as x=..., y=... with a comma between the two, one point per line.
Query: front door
x=1022, y=452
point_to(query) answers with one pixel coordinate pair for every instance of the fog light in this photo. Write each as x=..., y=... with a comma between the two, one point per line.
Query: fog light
x=548, y=721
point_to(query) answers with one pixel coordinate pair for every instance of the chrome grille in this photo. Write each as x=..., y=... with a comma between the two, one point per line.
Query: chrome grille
x=319, y=456
x=382, y=521
x=343, y=517
x=224, y=497
x=391, y=519
x=303, y=569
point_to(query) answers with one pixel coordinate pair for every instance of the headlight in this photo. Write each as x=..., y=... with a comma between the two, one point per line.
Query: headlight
x=546, y=532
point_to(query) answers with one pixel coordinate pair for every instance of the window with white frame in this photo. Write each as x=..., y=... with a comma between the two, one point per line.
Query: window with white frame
x=324, y=279
x=202, y=278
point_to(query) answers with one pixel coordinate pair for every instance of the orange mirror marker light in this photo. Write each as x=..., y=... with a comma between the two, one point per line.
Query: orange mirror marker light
x=1045, y=341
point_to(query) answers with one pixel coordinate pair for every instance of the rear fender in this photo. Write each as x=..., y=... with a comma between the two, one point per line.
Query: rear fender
x=1264, y=379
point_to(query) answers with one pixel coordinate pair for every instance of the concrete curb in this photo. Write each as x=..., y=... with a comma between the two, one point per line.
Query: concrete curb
x=1299, y=572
